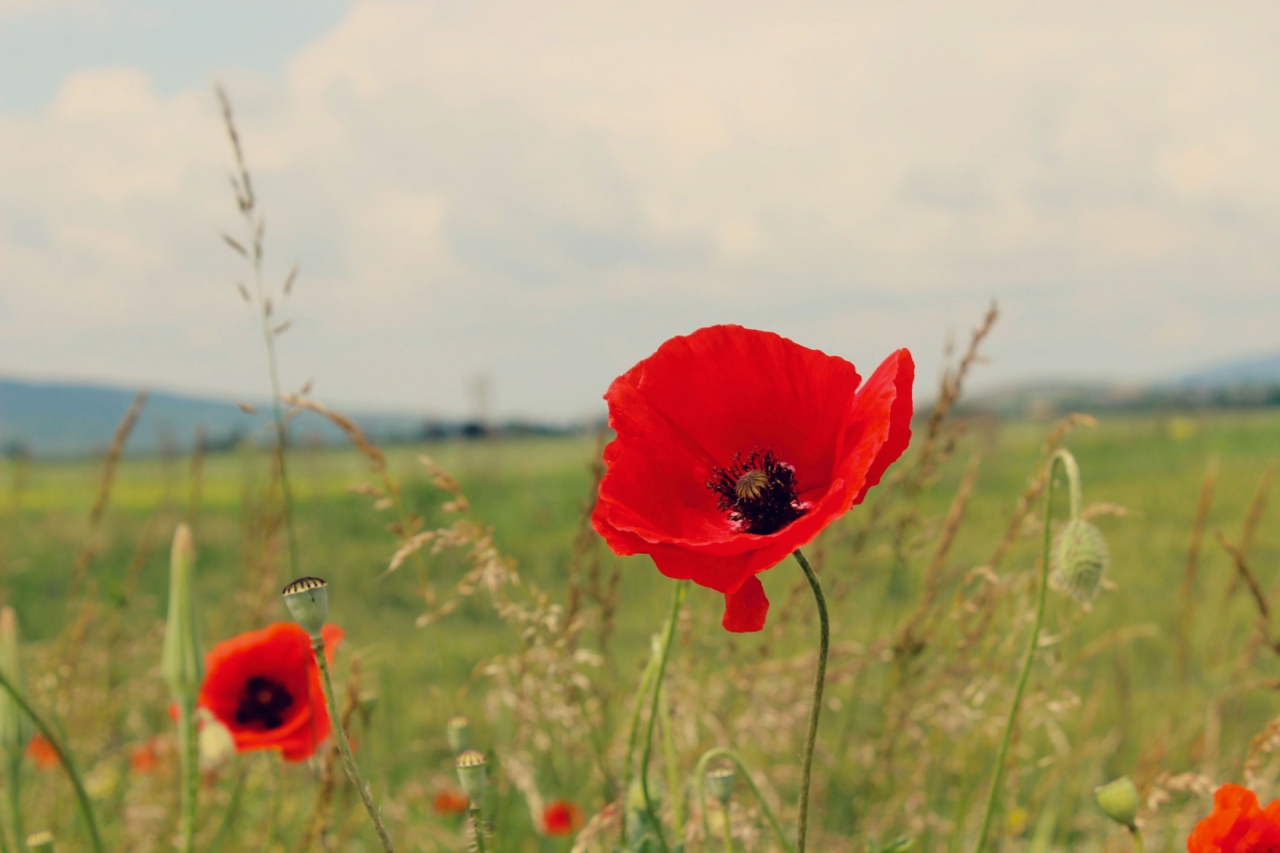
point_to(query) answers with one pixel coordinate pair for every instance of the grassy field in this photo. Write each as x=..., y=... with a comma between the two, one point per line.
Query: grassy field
x=1164, y=678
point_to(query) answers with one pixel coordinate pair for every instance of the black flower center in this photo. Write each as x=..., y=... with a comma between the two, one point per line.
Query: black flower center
x=758, y=492
x=264, y=702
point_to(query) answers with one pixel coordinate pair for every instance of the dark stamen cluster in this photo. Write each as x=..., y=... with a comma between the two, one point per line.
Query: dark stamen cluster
x=758, y=492
x=264, y=702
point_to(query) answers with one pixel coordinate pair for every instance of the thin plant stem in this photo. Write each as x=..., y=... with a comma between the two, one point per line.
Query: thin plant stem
x=728, y=830
x=646, y=679
x=286, y=490
x=348, y=760
x=699, y=783
x=13, y=780
x=819, y=682
x=673, y=769
x=189, y=761
x=1137, y=839
x=668, y=634
x=64, y=757
x=1068, y=462
x=233, y=808
x=478, y=829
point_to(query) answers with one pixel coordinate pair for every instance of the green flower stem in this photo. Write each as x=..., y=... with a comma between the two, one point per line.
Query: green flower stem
x=13, y=781
x=478, y=827
x=348, y=760
x=646, y=679
x=699, y=783
x=673, y=768
x=819, y=682
x=189, y=760
x=668, y=634
x=233, y=809
x=1137, y=839
x=728, y=830
x=1073, y=472
x=64, y=757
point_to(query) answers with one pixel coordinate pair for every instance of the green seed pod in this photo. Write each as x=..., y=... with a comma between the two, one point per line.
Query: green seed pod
x=1119, y=801
x=471, y=770
x=13, y=725
x=40, y=842
x=720, y=783
x=458, y=732
x=182, y=661
x=1080, y=559
x=308, y=603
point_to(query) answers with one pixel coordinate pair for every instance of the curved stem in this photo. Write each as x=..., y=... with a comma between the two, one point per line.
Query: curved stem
x=699, y=782
x=819, y=682
x=82, y=798
x=348, y=760
x=668, y=634
x=1073, y=476
x=189, y=760
x=646, y=678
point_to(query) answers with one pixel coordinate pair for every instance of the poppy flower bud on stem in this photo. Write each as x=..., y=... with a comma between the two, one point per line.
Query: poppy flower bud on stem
x=458, y=732
x=471, y=776
x=1119, y=801
x=183, y=666
x=720, y=783
x=308, y=603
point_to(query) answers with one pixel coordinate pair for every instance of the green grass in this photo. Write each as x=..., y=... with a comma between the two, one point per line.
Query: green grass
x=1129, y=707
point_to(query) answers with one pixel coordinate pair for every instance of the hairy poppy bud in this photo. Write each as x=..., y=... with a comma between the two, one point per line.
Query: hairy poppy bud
x=308, y=603
x=182, y=661
x=458, y=732
x=12, y=723
x=1119, y=801
x=40, y=842
x=471, y=767
x=720, y=783
x=1080, y=560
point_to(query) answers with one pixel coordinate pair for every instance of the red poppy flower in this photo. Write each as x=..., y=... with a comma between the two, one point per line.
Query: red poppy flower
x=561, y=817
x=736, y=447
x=41, y=751
x=450, y=801
x=264, y=686
x=1237, y=824
x=144, y=758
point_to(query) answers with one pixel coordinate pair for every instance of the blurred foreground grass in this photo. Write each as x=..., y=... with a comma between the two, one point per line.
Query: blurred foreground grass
x=1162, y=682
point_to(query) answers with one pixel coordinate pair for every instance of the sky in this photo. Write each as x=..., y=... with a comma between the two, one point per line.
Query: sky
x=541, y=193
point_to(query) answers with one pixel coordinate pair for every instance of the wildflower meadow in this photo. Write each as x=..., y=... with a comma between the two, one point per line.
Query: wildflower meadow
x=778, y=602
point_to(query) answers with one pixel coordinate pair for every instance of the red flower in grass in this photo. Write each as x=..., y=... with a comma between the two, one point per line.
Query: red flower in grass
x=450, y=801
x=736, y=447
x=561, y=817
x=41, y=751
x=1237, y=824
x=264, y=686
x=144, y=758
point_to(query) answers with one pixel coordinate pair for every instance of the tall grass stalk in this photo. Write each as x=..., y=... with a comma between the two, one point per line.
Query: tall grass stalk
x=668, y=634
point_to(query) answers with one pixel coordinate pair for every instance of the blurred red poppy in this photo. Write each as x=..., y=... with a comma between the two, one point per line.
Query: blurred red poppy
x=40, y=751
x=735, y=447
x=144, y=758
x=450, y=801
x=264, y=686
x=1237, y=824
x=561, y=817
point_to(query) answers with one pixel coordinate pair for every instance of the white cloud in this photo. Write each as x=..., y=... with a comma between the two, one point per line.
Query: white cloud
x=546, y=191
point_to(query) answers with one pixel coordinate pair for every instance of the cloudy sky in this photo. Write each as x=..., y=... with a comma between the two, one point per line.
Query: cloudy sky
x=543, y=192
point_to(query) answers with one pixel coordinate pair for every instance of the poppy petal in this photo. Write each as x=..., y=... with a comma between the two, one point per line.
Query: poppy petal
x=745, y=610
x=884, y=408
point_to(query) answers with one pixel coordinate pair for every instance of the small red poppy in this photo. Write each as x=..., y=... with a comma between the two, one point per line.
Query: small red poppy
x=450, y=801
x=1237, y=824
x=41, y=751
x=144, y=758
x=561, y=817
x=264, y=686
x=735, y=447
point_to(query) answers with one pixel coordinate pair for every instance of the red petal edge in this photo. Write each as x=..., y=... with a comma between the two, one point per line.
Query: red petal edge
x=745, y=610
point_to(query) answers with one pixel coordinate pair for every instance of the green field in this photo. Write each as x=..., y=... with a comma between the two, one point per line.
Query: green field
x=1163, y=679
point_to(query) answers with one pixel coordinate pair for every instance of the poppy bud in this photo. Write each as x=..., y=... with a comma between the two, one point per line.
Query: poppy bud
x=1080, y=560
x=40, y=842
x=12, y=722
x=308, y=603
x=471, y=766
x=1119, y=801
x=720, y=783
x=182, y=661
x=458, y=732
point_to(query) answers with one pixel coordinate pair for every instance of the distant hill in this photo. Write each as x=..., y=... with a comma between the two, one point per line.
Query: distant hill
x=48, y=418
x=1263, y=371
